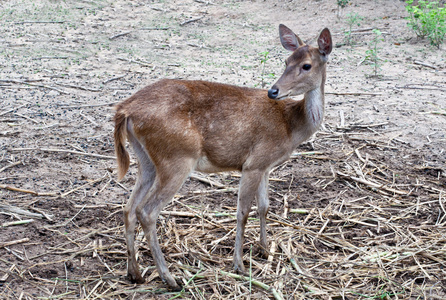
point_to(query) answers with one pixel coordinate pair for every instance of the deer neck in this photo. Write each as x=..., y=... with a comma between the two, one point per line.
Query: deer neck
x=314, y=108
x=308, y=115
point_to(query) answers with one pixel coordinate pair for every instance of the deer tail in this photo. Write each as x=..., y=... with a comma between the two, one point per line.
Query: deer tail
x=120, y=134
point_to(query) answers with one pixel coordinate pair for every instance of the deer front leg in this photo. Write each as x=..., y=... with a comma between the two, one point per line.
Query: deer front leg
x=263, y=205
x=249, y=185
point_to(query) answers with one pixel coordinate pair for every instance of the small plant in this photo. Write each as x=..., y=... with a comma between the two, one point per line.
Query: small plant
x=352, y=20
x=341, y=5
x=427, y=19
x=372, y=55
x=263, y=59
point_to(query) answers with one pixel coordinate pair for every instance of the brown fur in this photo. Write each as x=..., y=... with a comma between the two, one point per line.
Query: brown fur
x=176, y=126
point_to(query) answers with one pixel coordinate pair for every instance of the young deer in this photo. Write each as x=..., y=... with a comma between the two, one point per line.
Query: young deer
x=177, y=126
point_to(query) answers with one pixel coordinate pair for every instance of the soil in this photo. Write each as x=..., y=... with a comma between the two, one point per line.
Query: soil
x=371, y=182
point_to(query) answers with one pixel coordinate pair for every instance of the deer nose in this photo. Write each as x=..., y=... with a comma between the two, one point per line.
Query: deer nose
x=273, y=93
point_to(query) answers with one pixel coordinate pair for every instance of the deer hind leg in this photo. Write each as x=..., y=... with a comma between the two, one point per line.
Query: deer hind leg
x=263, y=206
x=249, y=186
x=169, y=179
x=146, y=176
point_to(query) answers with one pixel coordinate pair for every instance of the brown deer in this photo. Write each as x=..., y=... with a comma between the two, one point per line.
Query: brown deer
x=177, y=126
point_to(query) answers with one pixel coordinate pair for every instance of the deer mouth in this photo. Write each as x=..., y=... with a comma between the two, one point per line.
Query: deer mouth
x=281, y=97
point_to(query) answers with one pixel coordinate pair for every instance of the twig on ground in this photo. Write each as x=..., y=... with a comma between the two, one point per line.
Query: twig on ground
x=155, y=28
x=120, y=34
x=78, y=87
x=19, y=211
x=360, y=30
x=65, y=151
x=82, y=186
x=16, y=189
x=353, y=93
x=203, y=179
x=26, y=117
x=113, y=79
x=191, y=20
x=10, y=243
x=142, y=63
x=226, y=190
x=89, y=119
x=21, y=222
x=254, y=282
x=420, y=86
x=204, y=2
x=12, y=109
x=372, y=184
x=7, y=273
x=89, y=105
x=33, y=84
x=47, y=216
x=425, y=64
x=39, y=22
x=50, y=57
x=437, y=112
x=10, y=165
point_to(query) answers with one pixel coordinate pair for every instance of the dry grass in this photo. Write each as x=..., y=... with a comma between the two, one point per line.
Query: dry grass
x=388, y=242
x=359, y=213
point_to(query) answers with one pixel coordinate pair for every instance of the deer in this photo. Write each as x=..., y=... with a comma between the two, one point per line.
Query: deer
x=178, y=126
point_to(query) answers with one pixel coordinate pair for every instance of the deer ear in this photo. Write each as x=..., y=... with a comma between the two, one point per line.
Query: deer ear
x=324, y=42
x=289, y=39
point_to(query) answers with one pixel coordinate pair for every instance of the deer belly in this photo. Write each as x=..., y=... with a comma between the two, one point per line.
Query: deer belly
x=206, y=166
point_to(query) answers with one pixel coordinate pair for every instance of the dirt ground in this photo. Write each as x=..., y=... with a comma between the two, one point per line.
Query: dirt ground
x=359, y=212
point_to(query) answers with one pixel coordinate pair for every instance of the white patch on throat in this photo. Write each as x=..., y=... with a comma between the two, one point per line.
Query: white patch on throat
x=314, y=107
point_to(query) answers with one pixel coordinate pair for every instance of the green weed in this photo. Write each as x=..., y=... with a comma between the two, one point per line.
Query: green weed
x=352, y=19
x=341, y=5
x=427, y=19
x=263, y=76
x=372, y=55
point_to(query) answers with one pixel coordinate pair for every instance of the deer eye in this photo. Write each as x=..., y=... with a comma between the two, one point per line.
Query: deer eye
x=306, y=67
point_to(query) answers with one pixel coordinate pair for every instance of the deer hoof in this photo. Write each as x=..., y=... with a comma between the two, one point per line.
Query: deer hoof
x=176, y=288
x=263, y=252
x=135, y=278
x=240, y=269
x=174, y=285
